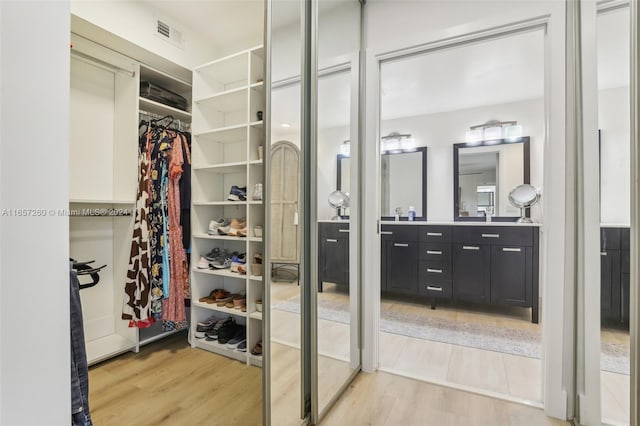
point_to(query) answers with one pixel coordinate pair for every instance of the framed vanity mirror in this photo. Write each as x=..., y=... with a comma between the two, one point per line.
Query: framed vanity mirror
x=483, y=175
x=403, y=184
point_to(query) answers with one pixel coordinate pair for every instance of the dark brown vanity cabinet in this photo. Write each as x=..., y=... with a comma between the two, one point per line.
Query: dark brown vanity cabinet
x=333, y=253
x=435, y=267
x=496, y=265
x=614, y=275
x=399, y=266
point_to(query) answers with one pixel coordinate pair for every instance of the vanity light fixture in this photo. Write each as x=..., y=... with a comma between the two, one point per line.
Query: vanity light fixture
x=494, y=130
x=397, y=142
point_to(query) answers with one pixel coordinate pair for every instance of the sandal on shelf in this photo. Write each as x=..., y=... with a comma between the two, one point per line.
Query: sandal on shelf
x=257, y=349
x=229, y=305
x=208, y=299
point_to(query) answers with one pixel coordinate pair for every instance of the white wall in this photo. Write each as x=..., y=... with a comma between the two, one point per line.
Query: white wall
x=613, y=121
x=34, y=255
x=440, y=131
x=134, y=21
x=338, y=36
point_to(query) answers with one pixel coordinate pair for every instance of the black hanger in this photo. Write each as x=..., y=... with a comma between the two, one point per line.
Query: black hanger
x=83, y=268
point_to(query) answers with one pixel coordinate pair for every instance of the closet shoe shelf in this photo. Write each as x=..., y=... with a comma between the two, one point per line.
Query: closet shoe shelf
x=224, y=237
x=229, y=94
x=220, y=272
x=214, y=307
x=222, y=349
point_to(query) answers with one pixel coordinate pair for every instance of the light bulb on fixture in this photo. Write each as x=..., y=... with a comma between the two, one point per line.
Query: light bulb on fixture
x=493, y=130
x=396, y=142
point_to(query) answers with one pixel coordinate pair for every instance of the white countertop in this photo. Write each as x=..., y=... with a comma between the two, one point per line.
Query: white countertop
x=452, y=223
x=447, y=223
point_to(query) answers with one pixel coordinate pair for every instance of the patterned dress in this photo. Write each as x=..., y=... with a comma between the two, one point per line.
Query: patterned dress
x=137, y=307
x=174, y=314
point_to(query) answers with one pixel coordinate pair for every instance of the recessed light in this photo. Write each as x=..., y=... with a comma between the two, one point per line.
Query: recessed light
x=285, y=125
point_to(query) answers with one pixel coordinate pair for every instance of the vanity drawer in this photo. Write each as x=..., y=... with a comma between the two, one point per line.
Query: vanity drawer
x=435, y=252
x=435, y=288
x=495, y=235
x=333, y=230
x=435, y=234
x=400, y=232
x=434, y=271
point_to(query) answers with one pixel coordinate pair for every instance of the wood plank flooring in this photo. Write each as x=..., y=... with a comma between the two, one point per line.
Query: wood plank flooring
x=382, y=399
x=170, y=383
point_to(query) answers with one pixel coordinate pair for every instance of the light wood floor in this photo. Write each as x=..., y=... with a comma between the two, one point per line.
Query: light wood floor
x=170, y=383
x=510, y=375
x=382, y=399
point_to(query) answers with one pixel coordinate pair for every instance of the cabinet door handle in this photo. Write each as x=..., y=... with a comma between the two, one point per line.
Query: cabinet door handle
x=437, y=271
x=386, y=232
x=603, y=253
x=400, y=245
x=331, y=240
x=470, y=248
x=430, y=287
x=490, y=235
x=343, y=230
x=438, y=252
x=515, y=249
x=434, y=234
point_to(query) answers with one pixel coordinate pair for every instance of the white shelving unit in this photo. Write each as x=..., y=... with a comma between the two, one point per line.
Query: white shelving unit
x=227, y=93
x=105, y=106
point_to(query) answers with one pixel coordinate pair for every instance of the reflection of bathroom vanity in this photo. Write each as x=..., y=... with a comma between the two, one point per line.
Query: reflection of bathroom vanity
x=494, y=263
x=614, y=275
x=333, y=253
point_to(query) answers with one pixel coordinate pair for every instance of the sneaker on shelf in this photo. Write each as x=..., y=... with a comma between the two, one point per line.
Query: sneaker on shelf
x=221, y=262
x=242, y=346
x=214, y=225
x=227, y=331
x=202, y=328
x=237, y=259
x=238, y=228
x=239, y=337
x=203, y=263
x=215, y=253
x=257, y=192
x=237, y=193
x=213, y=334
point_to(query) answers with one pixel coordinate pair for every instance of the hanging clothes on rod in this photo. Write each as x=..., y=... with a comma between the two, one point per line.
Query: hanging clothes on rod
x=157, y=280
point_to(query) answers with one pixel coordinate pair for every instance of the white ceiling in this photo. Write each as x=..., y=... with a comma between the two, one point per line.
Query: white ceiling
x=491, y=72
x=222, y=22
x=488, y=73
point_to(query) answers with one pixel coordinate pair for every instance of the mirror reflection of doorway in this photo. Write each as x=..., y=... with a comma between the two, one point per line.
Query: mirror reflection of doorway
x=615, y=199
x=487, y=341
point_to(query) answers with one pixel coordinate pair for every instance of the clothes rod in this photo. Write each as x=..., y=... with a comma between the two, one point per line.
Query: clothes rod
x=102, y=63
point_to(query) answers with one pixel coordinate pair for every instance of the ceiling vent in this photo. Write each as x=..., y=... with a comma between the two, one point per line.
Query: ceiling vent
x=169, y=33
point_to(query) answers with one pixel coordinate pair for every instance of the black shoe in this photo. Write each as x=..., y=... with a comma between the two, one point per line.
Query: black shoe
x=213, y=334
x=227, y=332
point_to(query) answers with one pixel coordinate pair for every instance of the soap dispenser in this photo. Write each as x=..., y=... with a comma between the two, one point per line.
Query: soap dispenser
x=411, y=213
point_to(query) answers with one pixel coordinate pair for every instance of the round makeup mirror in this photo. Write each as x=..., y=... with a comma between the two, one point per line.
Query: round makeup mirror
x=523, y=197
x=339, y=200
